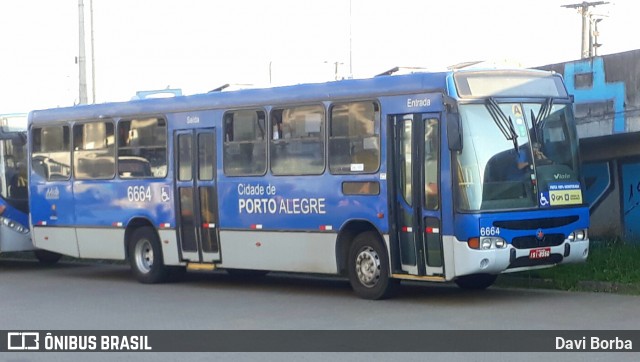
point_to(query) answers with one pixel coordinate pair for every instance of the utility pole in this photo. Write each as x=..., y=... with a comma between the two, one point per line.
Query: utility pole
x=350, y=45
x=93, y=56
x=82, y=66
x=335, y=68
x=587, y=49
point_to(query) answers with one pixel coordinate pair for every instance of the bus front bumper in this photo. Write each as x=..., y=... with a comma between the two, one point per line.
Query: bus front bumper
x=509, y=259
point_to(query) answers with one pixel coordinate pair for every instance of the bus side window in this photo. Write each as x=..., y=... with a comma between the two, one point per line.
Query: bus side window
x=354, y=139
x=93, y=151
x=142, y=148
x=245, y=146
x=297, y=141
x=51, y=152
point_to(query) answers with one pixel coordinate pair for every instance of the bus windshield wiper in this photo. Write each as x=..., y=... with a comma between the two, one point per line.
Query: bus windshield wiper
x=538, y=122
x=504, y=123
x=545, y=111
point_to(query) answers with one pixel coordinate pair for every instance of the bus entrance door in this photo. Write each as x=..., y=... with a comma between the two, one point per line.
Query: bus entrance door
x=196, y=186
x=417, y=193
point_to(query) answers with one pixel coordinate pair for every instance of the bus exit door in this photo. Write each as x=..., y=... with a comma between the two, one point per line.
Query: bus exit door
x=195, y=169
x=417, y=198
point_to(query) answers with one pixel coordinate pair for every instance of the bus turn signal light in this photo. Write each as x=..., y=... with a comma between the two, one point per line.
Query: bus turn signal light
x=474, y=243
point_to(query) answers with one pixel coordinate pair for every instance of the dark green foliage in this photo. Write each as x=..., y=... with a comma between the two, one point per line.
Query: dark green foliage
x=612, y=266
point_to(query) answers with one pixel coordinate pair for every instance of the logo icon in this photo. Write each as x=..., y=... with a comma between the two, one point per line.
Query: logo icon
x=539, y=235
x=23, y=341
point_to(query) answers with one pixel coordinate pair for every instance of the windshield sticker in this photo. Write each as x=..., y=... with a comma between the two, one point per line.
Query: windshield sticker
x=568, y=193
x=543, y=201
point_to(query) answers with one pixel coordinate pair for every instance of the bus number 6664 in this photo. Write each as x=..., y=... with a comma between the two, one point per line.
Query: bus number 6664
x=489, y=231
x=139, y=193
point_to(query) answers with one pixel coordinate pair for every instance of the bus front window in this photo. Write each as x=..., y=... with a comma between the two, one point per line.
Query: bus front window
x=496, y=172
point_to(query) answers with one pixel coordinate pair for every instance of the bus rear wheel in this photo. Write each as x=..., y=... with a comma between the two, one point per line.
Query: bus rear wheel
x=368, y=267
x=476, y=281
x=145, y=256
x=47, y=257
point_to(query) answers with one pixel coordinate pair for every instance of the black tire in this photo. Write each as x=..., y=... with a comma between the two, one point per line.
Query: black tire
x=47, y=257
x=145, y=256
x=476, y=281
x=368, y=267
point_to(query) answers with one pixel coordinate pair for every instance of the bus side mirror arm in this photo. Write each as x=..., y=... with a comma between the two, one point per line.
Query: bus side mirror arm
x=454, y=132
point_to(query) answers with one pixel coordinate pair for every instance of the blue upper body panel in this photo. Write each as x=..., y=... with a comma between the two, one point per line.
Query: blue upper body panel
x=334, y=91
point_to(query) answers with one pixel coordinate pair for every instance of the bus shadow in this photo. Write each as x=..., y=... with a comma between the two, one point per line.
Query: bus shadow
x=275, y=283
x=271, y=283
x=304, y=284
x=448, y=293
x=8, y=263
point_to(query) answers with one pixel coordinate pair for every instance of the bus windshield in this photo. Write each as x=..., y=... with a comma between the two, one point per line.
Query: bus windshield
x=534, y=165
x=13, y=161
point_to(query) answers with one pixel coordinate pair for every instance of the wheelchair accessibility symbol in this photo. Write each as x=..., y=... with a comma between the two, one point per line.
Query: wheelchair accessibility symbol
x=164, y=194
x=544, y=201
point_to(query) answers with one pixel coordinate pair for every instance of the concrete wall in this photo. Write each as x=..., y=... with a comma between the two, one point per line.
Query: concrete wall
x=607, y=96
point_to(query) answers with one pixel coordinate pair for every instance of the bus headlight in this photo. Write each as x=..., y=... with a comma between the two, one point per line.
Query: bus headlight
x=578, y=235
x=487, y=243
x=14, y=225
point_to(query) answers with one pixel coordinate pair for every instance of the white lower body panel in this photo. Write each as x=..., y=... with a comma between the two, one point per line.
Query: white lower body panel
x=169, y=243
x=57, y=239
x=291, y=252
x=101, y=243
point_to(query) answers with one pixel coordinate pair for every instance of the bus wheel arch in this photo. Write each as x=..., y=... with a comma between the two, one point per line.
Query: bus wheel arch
x=345, y=238
x=368, y=266
x=132, y=226
x=363, y=256
x=144, y=252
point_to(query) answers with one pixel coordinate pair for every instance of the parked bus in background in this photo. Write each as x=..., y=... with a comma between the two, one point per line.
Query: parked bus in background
x=14, y=203
x=426, y=176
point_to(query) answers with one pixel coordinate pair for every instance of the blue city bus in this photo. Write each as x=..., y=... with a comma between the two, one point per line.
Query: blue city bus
x=14, y=203
x=450, y=176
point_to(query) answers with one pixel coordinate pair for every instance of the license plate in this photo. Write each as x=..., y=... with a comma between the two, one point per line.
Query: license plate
x=539, y=253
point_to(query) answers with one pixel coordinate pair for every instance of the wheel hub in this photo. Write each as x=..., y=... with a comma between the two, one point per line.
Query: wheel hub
x=144, y=256
x=368, y=267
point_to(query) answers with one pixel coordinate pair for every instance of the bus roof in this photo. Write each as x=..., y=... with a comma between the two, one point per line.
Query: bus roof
x=284, y=95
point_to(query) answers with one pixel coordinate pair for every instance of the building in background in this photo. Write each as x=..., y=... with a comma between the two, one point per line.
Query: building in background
x=607, y=96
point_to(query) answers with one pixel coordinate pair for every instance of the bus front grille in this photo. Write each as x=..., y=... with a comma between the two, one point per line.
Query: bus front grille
x=530, y=241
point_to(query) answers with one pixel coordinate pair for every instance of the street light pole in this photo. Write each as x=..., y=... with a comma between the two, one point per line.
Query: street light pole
x=82, y=66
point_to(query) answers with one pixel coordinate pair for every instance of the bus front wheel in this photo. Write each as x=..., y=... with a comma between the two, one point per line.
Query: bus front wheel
x=145, y=256
x=369, y=267
x=476, y=281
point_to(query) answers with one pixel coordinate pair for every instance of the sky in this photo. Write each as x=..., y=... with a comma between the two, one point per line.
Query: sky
x=199, y=45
